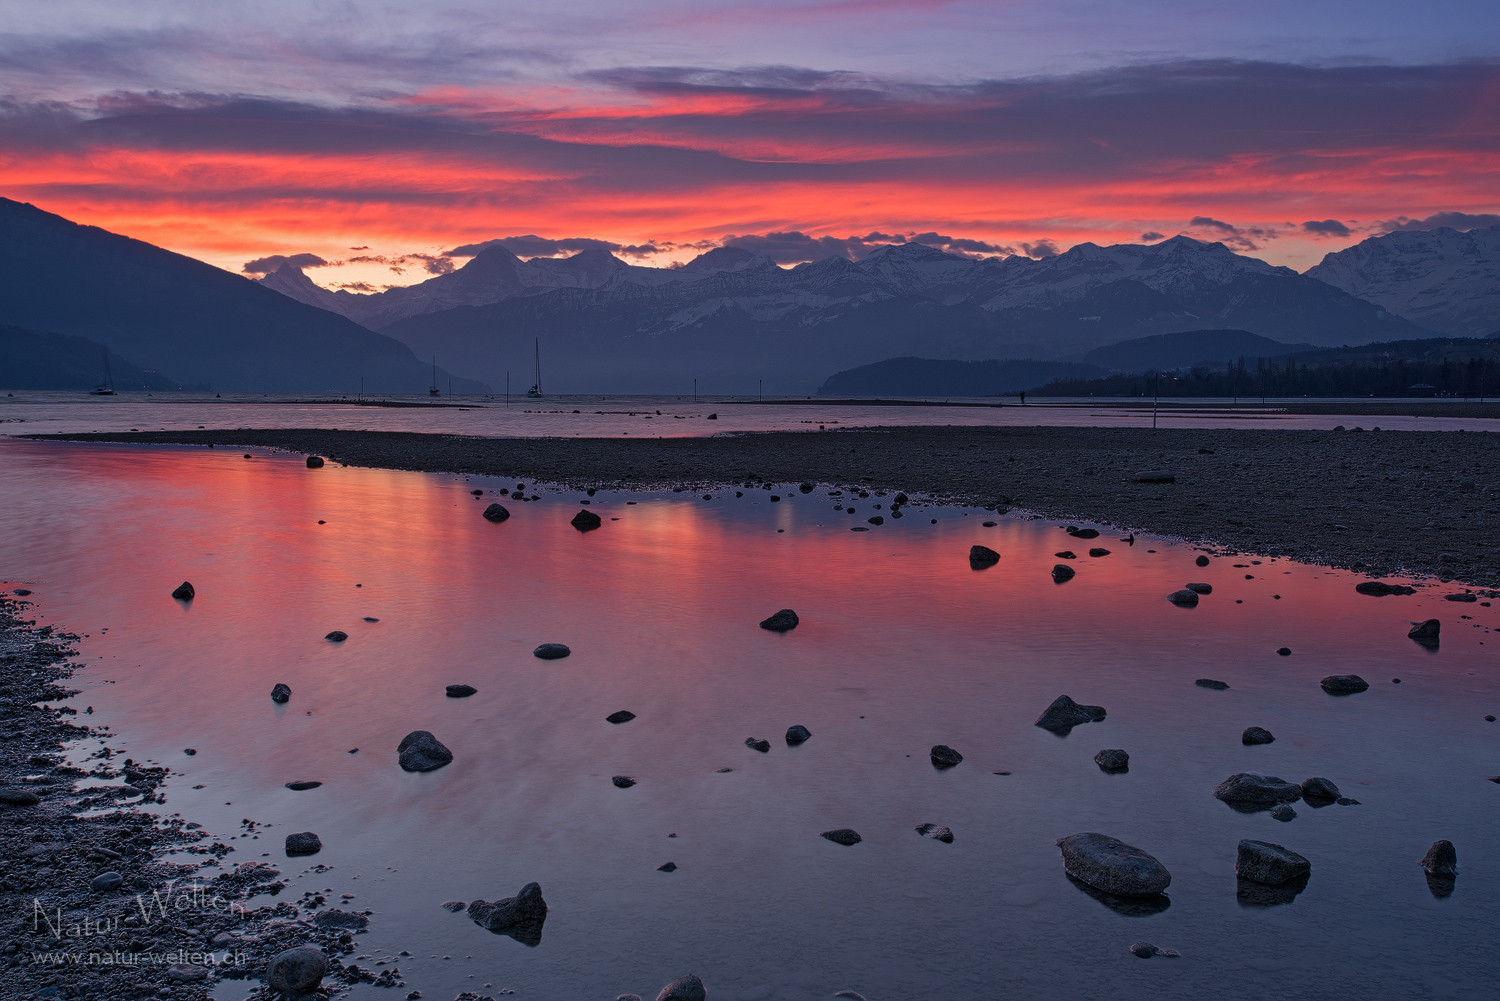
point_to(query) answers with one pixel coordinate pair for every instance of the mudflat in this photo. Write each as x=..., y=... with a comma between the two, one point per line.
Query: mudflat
x=1424, y=503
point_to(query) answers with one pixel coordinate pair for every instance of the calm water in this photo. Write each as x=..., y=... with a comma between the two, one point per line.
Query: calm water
x=644, y=416
x=902, y=646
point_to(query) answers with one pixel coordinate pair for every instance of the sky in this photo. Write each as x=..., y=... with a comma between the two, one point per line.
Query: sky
x=390, y=142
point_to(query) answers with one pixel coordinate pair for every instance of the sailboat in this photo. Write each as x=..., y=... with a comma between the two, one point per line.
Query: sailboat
x=535, y=392
x=433, y=390
x=107, y=387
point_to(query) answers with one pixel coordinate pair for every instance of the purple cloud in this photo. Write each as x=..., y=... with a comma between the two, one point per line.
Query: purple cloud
x=1327, y=227
x=1453, y=220
x=266, y=265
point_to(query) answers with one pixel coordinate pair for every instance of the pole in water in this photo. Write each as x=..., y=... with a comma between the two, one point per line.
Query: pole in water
x=507, y=389
x=695, y=390
x=1155, y=391
x=762, y=389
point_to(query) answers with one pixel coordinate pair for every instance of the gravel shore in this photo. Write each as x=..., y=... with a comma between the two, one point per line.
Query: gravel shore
x=1421, y=503
x=165, y=929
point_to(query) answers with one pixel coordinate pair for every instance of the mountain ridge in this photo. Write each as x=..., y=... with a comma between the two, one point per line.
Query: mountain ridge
x=1444, y=279
x=733, y=320
x=167, y=312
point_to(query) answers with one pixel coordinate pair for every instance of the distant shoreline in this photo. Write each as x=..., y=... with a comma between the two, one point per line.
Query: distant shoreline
x=1394, y=501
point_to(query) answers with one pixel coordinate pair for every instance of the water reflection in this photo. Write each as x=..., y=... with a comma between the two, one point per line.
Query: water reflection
x=1130, y=907
x=1258, y=895
x=900, y=648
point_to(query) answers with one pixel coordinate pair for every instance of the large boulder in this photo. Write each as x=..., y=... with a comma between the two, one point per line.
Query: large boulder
x=1264, y=862
x=496, y=513
x=1257, y=735
x=420, y=751
x=1184, y=597
x=1111, y=865
x=297, y=971
x=1064, y=714
x=551, y=651
x=281, y=693
x=1256, y=791
x=1062, y=572
x=586, y=521
x=16, y=796
x=688, y=988
x=797, y=734
x=184, y=591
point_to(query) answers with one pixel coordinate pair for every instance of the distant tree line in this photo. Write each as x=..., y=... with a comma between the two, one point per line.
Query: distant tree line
x=1291, y=376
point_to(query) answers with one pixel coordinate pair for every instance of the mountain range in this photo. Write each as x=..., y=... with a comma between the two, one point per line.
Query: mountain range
x=184, y=320
x=1441, y=279
x=732, y=318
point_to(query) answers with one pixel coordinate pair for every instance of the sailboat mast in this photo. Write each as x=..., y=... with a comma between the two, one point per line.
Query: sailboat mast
x=537, y=361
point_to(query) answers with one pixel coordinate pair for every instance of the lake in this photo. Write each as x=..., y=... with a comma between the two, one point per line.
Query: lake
x=901, y=646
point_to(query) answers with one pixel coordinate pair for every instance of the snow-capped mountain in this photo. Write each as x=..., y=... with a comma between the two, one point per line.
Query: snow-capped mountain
x=1441, y=279
x=732, y=317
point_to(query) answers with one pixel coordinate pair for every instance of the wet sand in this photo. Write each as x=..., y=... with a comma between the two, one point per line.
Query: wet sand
x=1380, y=502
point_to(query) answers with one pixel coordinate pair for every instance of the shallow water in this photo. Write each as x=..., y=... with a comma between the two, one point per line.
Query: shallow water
x=901, y=646
x=640, y=416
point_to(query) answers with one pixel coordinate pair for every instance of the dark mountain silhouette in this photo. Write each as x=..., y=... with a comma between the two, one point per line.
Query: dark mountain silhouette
x=33, y=359
x=930, y=378
x=1166, y=352
x=172, y=313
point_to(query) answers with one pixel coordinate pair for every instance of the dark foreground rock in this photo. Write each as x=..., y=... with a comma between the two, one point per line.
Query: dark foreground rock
x=1064, y=714
x=1146, y=950
x=496, y=513
x=781, y=622
x=944, y=756
x=1317, y=788
x=1344, y=684
x=937, y=832
x=982, y=556
x=1062, y=572
x=1112, y=759
x=623, y=781
x=305, y=843
x=337, y=636
x=1428, y=630
x=586, y=521
x=1263, y=862
x=756, y=744
x=797, y=734
x=623, y=716
x=1111, y=865
x=688, y=988
x=551, y=651
x=460, y=691
x=297, y=971
x=420, y=751
x=1257, y=735
x=1217, y=686
x=1254, y=791
x=1184, y=597
x=521, y=917
x=1441, y=859
x=1380, y=588
x=281, y=693
x=842, y=836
